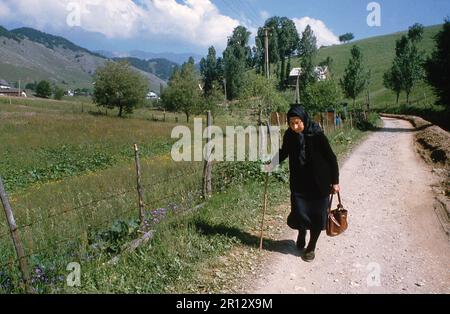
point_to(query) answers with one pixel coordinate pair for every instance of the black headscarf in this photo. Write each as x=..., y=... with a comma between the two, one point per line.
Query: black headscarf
x=311, y=129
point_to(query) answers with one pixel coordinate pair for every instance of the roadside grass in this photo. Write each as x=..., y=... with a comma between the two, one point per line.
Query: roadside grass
x=87, y=217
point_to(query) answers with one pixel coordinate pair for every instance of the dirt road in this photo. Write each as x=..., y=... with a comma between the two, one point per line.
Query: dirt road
x=394, y=243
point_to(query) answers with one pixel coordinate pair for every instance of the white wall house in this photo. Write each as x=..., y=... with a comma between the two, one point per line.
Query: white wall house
x=321, y=74
x=152, y=95
x=4, y=85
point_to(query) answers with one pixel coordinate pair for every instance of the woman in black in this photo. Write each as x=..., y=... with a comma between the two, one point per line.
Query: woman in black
x=314, y=175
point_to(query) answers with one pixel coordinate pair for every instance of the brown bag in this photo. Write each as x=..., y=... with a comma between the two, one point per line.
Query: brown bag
x=337, y=218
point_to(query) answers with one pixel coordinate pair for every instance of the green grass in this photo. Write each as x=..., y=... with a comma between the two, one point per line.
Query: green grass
x=83, y=211
x=379, y=53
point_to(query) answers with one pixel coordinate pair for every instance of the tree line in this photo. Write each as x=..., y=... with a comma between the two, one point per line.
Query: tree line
x=410, y=66
x=239, y=74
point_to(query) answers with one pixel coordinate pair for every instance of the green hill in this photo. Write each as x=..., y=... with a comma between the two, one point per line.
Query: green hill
x=30, y=55
x=162, y=68
x=378, y=54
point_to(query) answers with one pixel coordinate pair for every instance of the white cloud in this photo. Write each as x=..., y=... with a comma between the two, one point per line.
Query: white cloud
x=4, y=11
x=264, y=15
x=195, y=21
x=325, y=37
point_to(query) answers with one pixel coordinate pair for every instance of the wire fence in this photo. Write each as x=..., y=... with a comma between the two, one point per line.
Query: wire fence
x=152, y=192
x=157, y=190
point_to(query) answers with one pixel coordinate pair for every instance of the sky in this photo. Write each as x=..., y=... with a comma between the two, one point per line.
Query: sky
x=191, y=26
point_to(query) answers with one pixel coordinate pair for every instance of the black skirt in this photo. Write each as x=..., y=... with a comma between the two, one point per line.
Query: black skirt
x=308, y=214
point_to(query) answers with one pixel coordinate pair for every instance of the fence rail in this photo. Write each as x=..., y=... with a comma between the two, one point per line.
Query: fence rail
x=145, y=190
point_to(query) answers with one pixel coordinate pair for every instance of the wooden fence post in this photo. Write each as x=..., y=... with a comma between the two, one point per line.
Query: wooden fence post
x=207, y=169
x=16, y=240
x=279, y=125
x=334, y=119
x=351, y=120
x=139, y=187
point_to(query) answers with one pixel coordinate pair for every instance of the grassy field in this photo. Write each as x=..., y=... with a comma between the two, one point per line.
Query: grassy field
x=379, y=53
x=70, y=175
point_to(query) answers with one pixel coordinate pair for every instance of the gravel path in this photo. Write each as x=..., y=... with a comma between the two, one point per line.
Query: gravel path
x=394, y=243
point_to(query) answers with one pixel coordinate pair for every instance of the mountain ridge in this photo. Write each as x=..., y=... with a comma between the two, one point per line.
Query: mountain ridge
x=29, y=55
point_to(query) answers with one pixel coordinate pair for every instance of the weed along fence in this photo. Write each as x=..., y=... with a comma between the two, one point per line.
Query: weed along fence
x=93, y=219
x=44, y=241
x=37, y=242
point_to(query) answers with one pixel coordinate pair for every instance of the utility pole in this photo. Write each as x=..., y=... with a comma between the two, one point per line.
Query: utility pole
x=225, y=88
x=266, y=44
x=20, y=94
x=297, y=89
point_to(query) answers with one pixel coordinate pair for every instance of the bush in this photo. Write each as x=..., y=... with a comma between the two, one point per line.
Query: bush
x=43, y=89
x=58, y=93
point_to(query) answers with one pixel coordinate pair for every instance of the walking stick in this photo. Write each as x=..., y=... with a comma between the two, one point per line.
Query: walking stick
x=264, y=209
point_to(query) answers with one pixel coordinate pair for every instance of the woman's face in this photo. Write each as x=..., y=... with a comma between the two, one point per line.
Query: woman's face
x=296, y=124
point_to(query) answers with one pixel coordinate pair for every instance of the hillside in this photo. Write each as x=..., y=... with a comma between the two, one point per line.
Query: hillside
x=162, y=68
x=378, y=54
x=178, y=58
x=29, y=55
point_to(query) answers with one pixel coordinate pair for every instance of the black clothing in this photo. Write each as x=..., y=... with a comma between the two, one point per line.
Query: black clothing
x=313, y=170
x=313, y=179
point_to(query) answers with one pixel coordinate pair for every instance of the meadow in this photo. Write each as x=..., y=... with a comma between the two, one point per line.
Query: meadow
x=70, y=174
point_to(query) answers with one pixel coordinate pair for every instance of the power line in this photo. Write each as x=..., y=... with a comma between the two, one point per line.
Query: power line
x=232, y=8
x=251, y=10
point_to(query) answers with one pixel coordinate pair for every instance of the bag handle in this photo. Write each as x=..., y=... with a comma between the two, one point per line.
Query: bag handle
x=331, y=202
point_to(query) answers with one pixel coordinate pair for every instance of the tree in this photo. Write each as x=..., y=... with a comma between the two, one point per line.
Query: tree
x=307, y=50
x=43, y=89
x=118, y=86
x=210, y=71
x=183, y=93
x=262, y=92
x=236, y=57
x=438, y=65
x=415, y=33
x=271, y=25
x=288, y=41
x=347, y=37
x=58, y=93
x=322, y=95
x=355, y=76
x=283, y=42
x=392, y=80
x=31, y=86
x=408, y=60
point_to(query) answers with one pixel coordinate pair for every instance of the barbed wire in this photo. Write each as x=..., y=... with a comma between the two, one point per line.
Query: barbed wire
x=110, y=220
x=49, y=248
x=95, y=202
x=72, y=209
x=172, y=178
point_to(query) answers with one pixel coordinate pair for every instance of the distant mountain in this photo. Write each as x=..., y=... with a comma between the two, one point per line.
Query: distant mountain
x=30, y=55
x=178, y=58
x=162, y=68
x=49, y=41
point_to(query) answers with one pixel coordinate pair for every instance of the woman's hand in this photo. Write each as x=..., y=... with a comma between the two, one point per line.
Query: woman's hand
x=335, y=189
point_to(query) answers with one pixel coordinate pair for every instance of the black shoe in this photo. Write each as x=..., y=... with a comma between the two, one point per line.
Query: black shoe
x=308, y=256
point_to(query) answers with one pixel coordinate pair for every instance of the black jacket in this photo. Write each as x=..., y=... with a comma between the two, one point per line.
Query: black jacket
x=321, y=169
